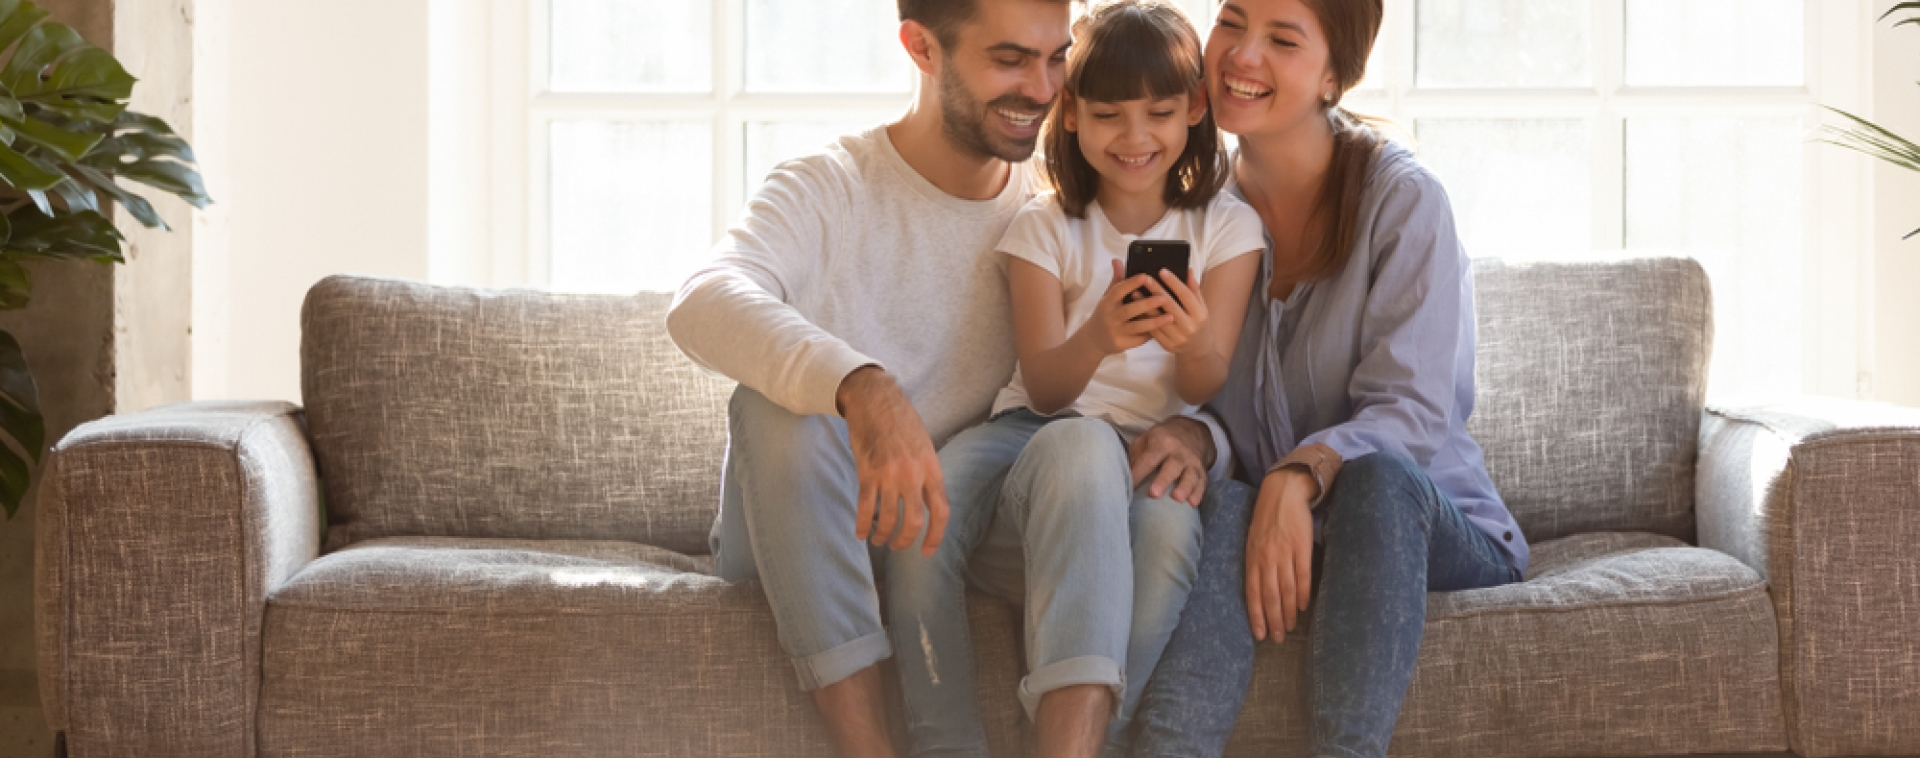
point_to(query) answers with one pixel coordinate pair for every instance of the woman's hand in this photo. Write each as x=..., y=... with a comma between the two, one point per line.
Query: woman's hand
x=1112, y=328
x=1280, y=554
x=1186, y=333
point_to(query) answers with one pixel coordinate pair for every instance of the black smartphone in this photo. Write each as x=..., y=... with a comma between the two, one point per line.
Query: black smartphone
x=1150, y=257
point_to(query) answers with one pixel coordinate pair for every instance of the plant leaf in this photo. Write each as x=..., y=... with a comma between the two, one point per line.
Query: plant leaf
x=1897, y=6
x=85, y=235
x=24, y=174
x=77, y=196
x=15, y=287
x=135, y=204
x=20, y=420
x=68, y=144
x=55, y=69
x=144, y=149
x=17, y=17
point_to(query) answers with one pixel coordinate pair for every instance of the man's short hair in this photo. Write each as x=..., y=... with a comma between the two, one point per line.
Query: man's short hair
x=943, y=17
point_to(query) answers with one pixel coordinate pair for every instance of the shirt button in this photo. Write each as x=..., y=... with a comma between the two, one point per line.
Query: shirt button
x=1508, y=536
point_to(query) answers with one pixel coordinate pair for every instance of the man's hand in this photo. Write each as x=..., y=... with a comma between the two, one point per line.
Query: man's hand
x=1178, y=449
x=900, y=482
x=1280, y=554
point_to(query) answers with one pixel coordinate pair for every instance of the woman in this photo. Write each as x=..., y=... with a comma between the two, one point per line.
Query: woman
x=1346, y=403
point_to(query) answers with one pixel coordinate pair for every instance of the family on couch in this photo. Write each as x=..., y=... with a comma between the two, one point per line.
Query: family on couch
x=947, y=379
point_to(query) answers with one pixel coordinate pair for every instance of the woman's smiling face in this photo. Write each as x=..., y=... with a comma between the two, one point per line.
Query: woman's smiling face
x=1267, y=66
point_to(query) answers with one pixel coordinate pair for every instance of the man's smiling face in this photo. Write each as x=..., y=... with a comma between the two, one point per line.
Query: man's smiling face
x=1001, y=74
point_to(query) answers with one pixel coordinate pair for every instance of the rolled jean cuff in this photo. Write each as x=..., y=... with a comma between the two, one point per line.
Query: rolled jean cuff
x=1086, y=669
x=837, y=663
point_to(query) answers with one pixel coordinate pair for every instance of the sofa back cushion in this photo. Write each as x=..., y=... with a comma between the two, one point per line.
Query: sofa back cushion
x=1591, y=378
x=442, y=411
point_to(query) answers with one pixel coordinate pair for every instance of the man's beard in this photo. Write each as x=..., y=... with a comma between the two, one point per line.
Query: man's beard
x=964, y=120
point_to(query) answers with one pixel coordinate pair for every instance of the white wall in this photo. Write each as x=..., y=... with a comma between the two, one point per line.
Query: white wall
x=1896, y=265
x=328, y=167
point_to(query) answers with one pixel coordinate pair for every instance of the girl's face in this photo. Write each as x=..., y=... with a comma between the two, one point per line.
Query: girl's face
x=1267, y=67
x=1135, y=143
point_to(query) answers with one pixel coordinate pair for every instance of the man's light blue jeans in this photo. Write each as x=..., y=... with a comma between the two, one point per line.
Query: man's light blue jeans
x=1043, y=513
x=787, y=493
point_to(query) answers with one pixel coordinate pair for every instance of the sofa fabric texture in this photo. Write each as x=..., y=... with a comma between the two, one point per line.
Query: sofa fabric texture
x=450, y=412
x=1624, y=644
x=1823, y=498
x=457, y=647
x=164, y=535
x=1589, y=379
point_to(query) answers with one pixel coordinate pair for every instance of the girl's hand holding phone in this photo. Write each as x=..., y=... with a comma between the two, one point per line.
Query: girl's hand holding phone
x=1185, y=331
x=1118, y=326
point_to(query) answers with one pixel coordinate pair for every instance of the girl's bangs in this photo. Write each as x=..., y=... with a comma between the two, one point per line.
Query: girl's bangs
x=1133, y=53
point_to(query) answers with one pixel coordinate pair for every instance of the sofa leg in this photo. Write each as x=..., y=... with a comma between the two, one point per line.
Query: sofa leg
x=59, y=745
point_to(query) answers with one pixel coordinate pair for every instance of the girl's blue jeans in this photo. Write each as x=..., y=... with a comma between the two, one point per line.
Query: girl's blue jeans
x=1043, y=513
x=1389, y=538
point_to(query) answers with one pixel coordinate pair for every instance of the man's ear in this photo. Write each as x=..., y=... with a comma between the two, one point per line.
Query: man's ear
x=1197, y=106
x=921, y=45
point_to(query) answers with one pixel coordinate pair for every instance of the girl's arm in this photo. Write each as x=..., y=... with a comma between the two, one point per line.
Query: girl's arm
x=1203, y=334
x=1055, y=366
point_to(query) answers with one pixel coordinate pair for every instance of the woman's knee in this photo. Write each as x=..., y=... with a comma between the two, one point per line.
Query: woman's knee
x=1378, y=487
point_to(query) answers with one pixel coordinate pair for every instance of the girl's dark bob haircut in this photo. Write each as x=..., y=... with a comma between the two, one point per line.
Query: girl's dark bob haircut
x=1132, y=50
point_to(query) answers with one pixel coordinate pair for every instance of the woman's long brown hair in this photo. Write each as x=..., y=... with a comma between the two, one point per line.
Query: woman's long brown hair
x=1351, y=26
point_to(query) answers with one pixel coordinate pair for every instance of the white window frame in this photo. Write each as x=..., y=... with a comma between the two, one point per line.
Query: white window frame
x=525, y=113
x=1838, y=191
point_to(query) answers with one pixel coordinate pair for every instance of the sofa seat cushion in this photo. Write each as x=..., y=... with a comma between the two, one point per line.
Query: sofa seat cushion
x=466, y=646
x=1617, y=644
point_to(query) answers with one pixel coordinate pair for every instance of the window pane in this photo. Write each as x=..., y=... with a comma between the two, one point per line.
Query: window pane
x=1727, y=191
x=632, y=204
x=826, y=46
x=1704, y=43
x=1503, y=43
x=769, y=143
x=631, y=46
x=1520, y=188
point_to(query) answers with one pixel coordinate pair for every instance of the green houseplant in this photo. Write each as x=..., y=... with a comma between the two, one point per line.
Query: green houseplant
x=1866, y=137
x=66, y=142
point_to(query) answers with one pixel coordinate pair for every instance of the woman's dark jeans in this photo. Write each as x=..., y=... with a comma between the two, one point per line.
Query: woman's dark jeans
x=1389, y=538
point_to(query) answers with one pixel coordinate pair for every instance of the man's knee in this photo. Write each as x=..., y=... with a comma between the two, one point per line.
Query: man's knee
x=780, y=443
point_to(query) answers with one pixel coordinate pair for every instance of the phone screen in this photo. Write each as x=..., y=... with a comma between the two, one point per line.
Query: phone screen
x=1153, y=256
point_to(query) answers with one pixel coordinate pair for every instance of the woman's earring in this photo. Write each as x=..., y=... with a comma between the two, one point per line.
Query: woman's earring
x=1326, y=97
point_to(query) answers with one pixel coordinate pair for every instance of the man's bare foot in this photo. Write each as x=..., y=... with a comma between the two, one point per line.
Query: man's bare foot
x=855, y=715
x=1072, y=721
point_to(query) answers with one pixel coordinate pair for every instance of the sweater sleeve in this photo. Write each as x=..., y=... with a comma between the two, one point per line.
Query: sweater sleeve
x=1403, y=388
x=736, y=315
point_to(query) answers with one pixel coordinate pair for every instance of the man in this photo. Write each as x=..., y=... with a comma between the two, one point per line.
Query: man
x=860, y=305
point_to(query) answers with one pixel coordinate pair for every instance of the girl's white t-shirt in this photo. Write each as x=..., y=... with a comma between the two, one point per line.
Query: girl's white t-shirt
x=1132, y=390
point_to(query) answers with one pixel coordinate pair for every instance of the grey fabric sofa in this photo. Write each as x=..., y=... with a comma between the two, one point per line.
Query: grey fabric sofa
x=484, y=535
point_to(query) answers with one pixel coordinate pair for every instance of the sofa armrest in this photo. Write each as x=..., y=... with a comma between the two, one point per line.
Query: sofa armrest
x=160, y=535
x=1822, y=497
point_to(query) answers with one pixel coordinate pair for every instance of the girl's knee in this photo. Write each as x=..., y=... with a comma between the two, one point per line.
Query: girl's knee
x=1076, y=440
x=1166, y=536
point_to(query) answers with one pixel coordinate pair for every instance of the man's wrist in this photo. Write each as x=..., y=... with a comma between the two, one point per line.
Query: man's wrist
x=858, y=383
x=1199, y=438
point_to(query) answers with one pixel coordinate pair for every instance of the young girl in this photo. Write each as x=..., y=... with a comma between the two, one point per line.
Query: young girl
x=1044, y=489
